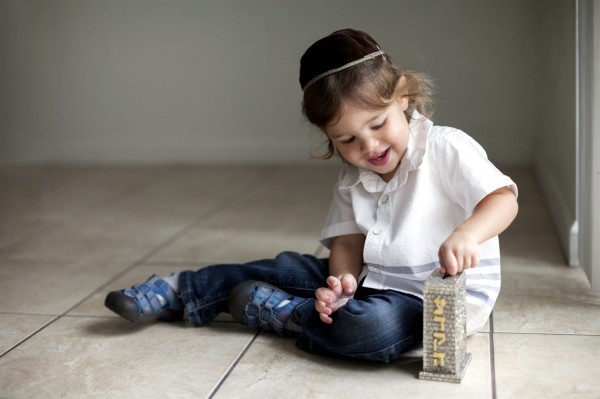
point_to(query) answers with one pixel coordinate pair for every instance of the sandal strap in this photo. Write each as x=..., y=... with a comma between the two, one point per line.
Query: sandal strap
x=147, y=294
x=262, y=311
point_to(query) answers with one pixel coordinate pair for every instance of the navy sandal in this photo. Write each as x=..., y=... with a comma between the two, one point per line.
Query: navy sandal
x=141, y=303
x=262, y=306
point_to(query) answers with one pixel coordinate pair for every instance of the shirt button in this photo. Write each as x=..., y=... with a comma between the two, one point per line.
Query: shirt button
x=385, y=199
x=377, y=232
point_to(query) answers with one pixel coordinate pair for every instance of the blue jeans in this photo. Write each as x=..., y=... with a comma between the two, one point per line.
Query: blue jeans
x=376, y=325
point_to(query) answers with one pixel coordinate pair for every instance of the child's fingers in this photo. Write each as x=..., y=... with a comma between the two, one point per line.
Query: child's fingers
x=470, y=261
x=452, y=264
x=331, y=298
x=325, y=319
x=474, y=260
x=466, y=263
x=324, y=312
x=323, y=308
x=448, y=262
x=335, y=285
x=349, y=284
x=325, y=295
x=332, y=281
x=458, y=253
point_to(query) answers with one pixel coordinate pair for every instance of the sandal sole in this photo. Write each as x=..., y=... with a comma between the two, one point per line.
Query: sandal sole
x=126, y=307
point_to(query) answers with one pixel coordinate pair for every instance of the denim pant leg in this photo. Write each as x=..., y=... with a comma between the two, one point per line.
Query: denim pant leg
x=205, y=293
x=376, y=325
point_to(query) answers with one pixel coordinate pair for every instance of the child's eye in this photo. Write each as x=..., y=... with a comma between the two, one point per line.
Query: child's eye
x=348, y=140
x=377, y=127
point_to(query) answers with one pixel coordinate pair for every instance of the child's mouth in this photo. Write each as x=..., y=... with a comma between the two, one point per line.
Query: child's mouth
x=381, y=158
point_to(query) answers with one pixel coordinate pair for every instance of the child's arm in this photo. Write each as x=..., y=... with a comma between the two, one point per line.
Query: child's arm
x=491, y=216
x=345, y=264
x=346, y=255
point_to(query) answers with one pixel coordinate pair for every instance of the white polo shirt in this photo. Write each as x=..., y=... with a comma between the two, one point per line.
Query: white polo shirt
x=442, y=177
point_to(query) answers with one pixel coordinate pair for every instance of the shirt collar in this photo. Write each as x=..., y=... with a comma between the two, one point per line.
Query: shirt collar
x=413, y=157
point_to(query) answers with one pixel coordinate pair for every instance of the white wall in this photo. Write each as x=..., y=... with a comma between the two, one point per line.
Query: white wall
x=216, y=81
x=555, y=150
x=589, y=127
x=593, y=265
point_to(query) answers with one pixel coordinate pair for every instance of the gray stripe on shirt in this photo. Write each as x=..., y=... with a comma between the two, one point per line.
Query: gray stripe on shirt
x=418, y=269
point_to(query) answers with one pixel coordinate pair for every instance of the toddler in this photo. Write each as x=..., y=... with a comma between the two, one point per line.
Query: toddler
x=410, y=197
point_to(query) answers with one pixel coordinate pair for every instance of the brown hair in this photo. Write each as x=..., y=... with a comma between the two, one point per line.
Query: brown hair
x=371, y=84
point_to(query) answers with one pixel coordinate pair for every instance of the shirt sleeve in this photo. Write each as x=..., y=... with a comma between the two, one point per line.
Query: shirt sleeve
x=340, y=220
x=468, y=174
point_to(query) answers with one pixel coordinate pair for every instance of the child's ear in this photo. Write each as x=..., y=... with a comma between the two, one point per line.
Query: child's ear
x=400, y=89
x=401, y=82
x=401, y=92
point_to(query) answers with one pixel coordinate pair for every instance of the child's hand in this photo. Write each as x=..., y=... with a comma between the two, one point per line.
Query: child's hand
x=339, y=291
x=459, y=252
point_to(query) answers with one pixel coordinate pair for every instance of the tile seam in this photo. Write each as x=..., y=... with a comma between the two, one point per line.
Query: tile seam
x=547, y=334
x=231, y=367
x=193, y=223
x=189, y=226
x=116, y=197
x=35, y=332
x=492, y=357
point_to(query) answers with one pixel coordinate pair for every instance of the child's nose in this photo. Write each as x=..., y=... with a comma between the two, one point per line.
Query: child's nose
x=369, y=145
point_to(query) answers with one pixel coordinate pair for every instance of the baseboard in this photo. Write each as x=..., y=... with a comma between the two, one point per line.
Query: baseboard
x=563, y=217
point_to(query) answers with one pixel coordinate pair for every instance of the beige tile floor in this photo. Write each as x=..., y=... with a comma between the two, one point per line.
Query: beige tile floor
x=69, y=235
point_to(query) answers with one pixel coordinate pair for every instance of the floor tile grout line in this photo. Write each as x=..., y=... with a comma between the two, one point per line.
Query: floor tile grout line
x=174, y=262
x=492, y=358
x=132, y=266
x=195, y=222
x=36, y=233
x=185, y=229
x=19, y=343
x=231, y=367
x=110, y=199
x=220, y=383
x=192, y=224
x=65, y=315
x=2, y=313
x=547, y=334
x=215, y=390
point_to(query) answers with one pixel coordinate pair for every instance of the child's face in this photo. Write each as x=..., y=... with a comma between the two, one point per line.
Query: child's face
x=372, y=139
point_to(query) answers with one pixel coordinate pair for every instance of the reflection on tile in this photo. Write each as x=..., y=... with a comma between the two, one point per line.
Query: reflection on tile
x=66, y=232
x=66, y=189
x=543, y=248
x=189, y=192
x=548, y=314
x=539, y=278
x=36, y=197
x=46, y=287
x=138, y=222
x=91, y=357
x=543, y=297
x=16, y=227
x=16, y=327
x=236, y=245
x=548, y=366
x=97, y=239
x=282, y=214
x=275, y=366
